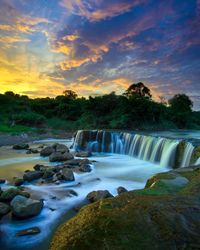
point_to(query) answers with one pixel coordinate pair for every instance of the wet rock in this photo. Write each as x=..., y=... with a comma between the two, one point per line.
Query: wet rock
x=71, y=193
x=58, y=156
x=121, y=190
x=74, y=162
x=98, y=195
x=48, y=174
x=2, y=181
x=47, y=151
x=38, y=167
x=177, y=182
x=85, y=168
x=67, y=174
x=28, y=231
x=61, y=148
x=23, y=207
x=83, y=154
x=21, y=146
x=4, y=209
x=32, y=175
x=9, y=194
x=32, y=151
x=18, y=181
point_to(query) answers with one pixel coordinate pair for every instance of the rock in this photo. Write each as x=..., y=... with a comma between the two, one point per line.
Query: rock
x=98, y=195
x=67, y=174
x=177, y=182
x=47, y=151
x=32, y=151
x=85, y=168
x=28, y=231
x=9, y=194
x=83, y=154
x=4, y=209
x=58, y=156
x=71, y=193
x=23, y=207
x=48, y=174
x=61, y=148
x=2, y=181
x=32, y=175
x=38, y=167
x=21, y=146
x=18, y=181
x=121, y=190
x=74, y=162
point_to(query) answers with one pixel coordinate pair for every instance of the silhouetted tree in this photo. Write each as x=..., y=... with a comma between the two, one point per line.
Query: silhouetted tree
x=138, y=90
x=70, y=93
x=181, y=103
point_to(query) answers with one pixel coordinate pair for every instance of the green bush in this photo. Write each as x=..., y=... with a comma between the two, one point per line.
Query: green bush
x=29, y=119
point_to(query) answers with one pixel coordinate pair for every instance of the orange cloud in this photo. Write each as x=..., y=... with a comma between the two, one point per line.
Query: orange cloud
x=96, y=10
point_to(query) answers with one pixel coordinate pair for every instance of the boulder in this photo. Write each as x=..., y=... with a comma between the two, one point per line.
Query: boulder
x=21, y=146
x=85, y=168
x=67, y=174
x=28, y=231
x=23, y=207
x=121, y=190
x=98, y=195
x=47, y=151
x=9, y=194
x=18, y=181
x=4, y=209
x=61, y=148
x=47, y=174
x=32, y=175
x=58, y=156
x=83, y=154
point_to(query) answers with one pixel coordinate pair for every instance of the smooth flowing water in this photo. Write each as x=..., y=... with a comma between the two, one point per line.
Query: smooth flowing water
x=121, y=159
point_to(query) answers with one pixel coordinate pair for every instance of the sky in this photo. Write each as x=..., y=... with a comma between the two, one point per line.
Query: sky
x=95, y=47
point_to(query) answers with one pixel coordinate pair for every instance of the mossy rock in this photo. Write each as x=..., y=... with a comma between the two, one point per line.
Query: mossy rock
x=195, y=155
x=10, y=193
x=179, y=154
x=139, y=219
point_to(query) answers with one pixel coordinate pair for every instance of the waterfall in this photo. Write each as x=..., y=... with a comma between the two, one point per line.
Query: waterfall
x=187, y=155
x=149, y=148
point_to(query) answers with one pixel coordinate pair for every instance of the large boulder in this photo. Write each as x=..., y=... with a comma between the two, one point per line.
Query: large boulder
x=4, y=209
x=61, y=148
x=98, y=195
x=58, y=156
x=67, y=174
x=149, y=218
x=32, y=175
x=47, y=151
x=21, y=146
x=23, y=207
x=18, y=181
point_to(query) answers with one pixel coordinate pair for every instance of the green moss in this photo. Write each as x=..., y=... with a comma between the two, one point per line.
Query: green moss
x=195, y=155
x=179, y=154
x=158, y=217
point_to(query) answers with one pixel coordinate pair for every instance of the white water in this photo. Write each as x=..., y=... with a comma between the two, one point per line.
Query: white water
x=153, y=149
x=187, y=155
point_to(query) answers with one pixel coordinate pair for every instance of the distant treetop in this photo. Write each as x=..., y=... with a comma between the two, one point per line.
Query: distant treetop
x=138, y=90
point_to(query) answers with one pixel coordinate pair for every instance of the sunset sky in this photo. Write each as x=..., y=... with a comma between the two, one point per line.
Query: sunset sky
x=97, y=46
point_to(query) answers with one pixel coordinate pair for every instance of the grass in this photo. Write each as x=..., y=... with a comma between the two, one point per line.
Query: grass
x=14, y=129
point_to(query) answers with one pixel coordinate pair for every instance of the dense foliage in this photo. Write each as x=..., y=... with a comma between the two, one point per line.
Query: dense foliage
x=135, y=109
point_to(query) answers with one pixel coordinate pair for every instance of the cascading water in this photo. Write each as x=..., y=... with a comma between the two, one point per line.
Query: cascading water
x=187, y=155
x=148, y=148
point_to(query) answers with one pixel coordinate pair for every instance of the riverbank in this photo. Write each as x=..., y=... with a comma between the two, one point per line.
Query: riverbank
x=9, y=139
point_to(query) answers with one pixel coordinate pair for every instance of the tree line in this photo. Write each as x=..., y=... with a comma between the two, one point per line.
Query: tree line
x=134, y=109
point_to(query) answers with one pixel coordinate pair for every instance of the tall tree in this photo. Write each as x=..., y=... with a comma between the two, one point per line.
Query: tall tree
x=138, y=90
x=70, y=93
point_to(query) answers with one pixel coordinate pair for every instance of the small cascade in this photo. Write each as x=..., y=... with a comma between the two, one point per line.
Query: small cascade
x=147, y=148
x=187, y=155
x=198, y=161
